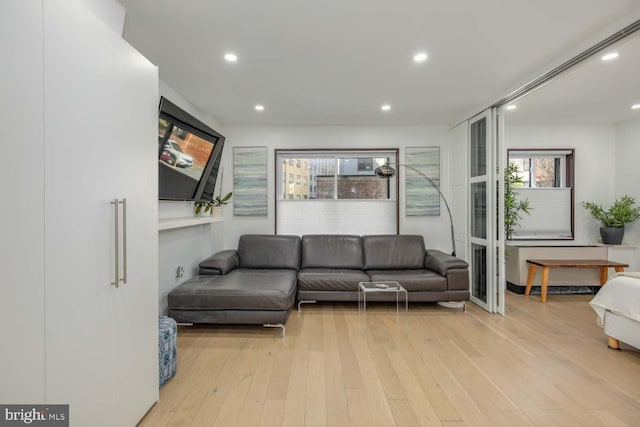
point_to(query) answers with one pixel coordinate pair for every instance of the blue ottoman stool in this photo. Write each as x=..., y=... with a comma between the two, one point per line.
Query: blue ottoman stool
x=167, y=332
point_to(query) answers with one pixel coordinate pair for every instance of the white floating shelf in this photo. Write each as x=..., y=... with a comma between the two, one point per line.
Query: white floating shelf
x=189, y=221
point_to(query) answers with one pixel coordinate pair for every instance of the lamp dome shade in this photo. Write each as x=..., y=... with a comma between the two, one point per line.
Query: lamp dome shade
x=385, y=171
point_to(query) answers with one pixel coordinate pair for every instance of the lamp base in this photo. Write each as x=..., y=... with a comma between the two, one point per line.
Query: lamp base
x=453, y=304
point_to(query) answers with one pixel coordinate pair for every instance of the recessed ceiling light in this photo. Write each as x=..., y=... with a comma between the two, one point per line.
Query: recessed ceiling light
x=420, y=57
x=386, y=107
x=230, y=57
x=511, y=107
x=635, y=107
x=610, y=56
x=259, y=107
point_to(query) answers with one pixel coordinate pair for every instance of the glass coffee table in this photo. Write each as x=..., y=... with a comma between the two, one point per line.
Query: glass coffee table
x=388, y=287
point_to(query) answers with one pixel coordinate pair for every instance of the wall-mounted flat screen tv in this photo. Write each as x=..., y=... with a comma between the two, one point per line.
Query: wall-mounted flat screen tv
x=189, y=155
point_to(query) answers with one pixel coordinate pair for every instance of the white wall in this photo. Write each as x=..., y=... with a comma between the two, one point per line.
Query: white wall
x=190, y=245
x=594, y=167
x=627, y=170
x=111, y=12
x=434, y=229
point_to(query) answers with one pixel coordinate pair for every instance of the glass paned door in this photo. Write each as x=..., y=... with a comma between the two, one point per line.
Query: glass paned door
x=482, y=235
x=479, y=272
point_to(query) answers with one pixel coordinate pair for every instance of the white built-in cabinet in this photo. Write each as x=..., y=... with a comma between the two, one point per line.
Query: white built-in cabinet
x=79, y=120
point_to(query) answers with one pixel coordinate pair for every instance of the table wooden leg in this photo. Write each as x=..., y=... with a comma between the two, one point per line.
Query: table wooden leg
x=619, y=269
x=530, y=276
x=604, y=275
x=545, y=283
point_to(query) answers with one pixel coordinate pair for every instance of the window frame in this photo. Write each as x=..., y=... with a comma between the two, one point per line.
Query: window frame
x=567, y=180
x=394, y=187
x=335, y=154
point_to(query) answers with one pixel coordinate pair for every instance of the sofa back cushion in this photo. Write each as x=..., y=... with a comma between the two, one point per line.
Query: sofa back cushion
x=388, y=252
x=332, y=251
x=269, y=251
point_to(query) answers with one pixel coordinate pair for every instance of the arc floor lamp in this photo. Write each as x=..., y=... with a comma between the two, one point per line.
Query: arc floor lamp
x=387, y=171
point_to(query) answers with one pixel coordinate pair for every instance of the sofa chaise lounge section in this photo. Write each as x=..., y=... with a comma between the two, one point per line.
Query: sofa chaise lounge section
x=255, y=284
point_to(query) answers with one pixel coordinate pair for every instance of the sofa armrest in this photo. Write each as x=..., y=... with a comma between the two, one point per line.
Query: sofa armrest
x=442, y=263
x=220, y=263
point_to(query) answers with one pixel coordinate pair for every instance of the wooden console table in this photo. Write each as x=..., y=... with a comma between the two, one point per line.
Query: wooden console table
x=546, y=264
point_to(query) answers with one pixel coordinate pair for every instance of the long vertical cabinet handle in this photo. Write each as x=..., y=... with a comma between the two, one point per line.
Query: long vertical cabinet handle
x=124, y=241
x=117, y=254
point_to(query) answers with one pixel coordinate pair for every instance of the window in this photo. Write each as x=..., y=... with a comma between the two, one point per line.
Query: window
x=336, y=191
x=548, y=176
x=541, y=169
x=337, y=177
x=357, y=178
x=365, y=165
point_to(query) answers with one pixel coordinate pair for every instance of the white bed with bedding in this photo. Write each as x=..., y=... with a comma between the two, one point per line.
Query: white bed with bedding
x=618, y=307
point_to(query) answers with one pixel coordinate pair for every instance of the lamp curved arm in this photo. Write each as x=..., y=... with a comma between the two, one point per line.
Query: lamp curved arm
x=446, y=204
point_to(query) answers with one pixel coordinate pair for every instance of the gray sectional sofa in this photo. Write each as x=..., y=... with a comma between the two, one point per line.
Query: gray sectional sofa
x=260, y=281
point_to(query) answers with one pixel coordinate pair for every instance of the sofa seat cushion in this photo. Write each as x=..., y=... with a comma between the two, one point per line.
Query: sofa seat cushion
x=242, y=289
x=418, y=280
x=330, y=279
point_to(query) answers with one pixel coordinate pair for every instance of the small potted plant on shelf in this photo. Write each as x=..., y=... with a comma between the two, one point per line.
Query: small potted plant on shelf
x=203, y=206
x=623, y=211
x=218, y=202
x=212, y=207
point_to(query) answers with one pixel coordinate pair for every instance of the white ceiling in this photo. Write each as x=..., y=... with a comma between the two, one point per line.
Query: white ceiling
x=595, y=92
x=325, y=62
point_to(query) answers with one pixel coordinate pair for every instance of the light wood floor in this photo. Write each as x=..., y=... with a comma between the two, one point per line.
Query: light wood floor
x=542, y=364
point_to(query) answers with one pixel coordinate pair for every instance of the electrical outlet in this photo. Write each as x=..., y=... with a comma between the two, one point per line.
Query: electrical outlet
x=179, y=271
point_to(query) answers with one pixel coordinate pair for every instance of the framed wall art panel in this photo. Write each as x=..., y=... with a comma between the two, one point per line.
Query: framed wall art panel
x=250, y=181
x=422, y=199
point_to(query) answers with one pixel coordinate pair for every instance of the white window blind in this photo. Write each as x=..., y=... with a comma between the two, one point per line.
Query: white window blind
x=359, y=217
x=550, y=213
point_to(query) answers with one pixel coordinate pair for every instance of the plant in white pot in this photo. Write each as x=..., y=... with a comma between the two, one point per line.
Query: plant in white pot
x=212, y=207
x=623, y=211
x=220, y=201
x=203, y=207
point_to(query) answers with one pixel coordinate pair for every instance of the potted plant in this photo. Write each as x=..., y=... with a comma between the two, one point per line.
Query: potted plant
x=219, y=201
x=214, y=206
x=622, y=211
x=512, y=206
x=203, y=206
